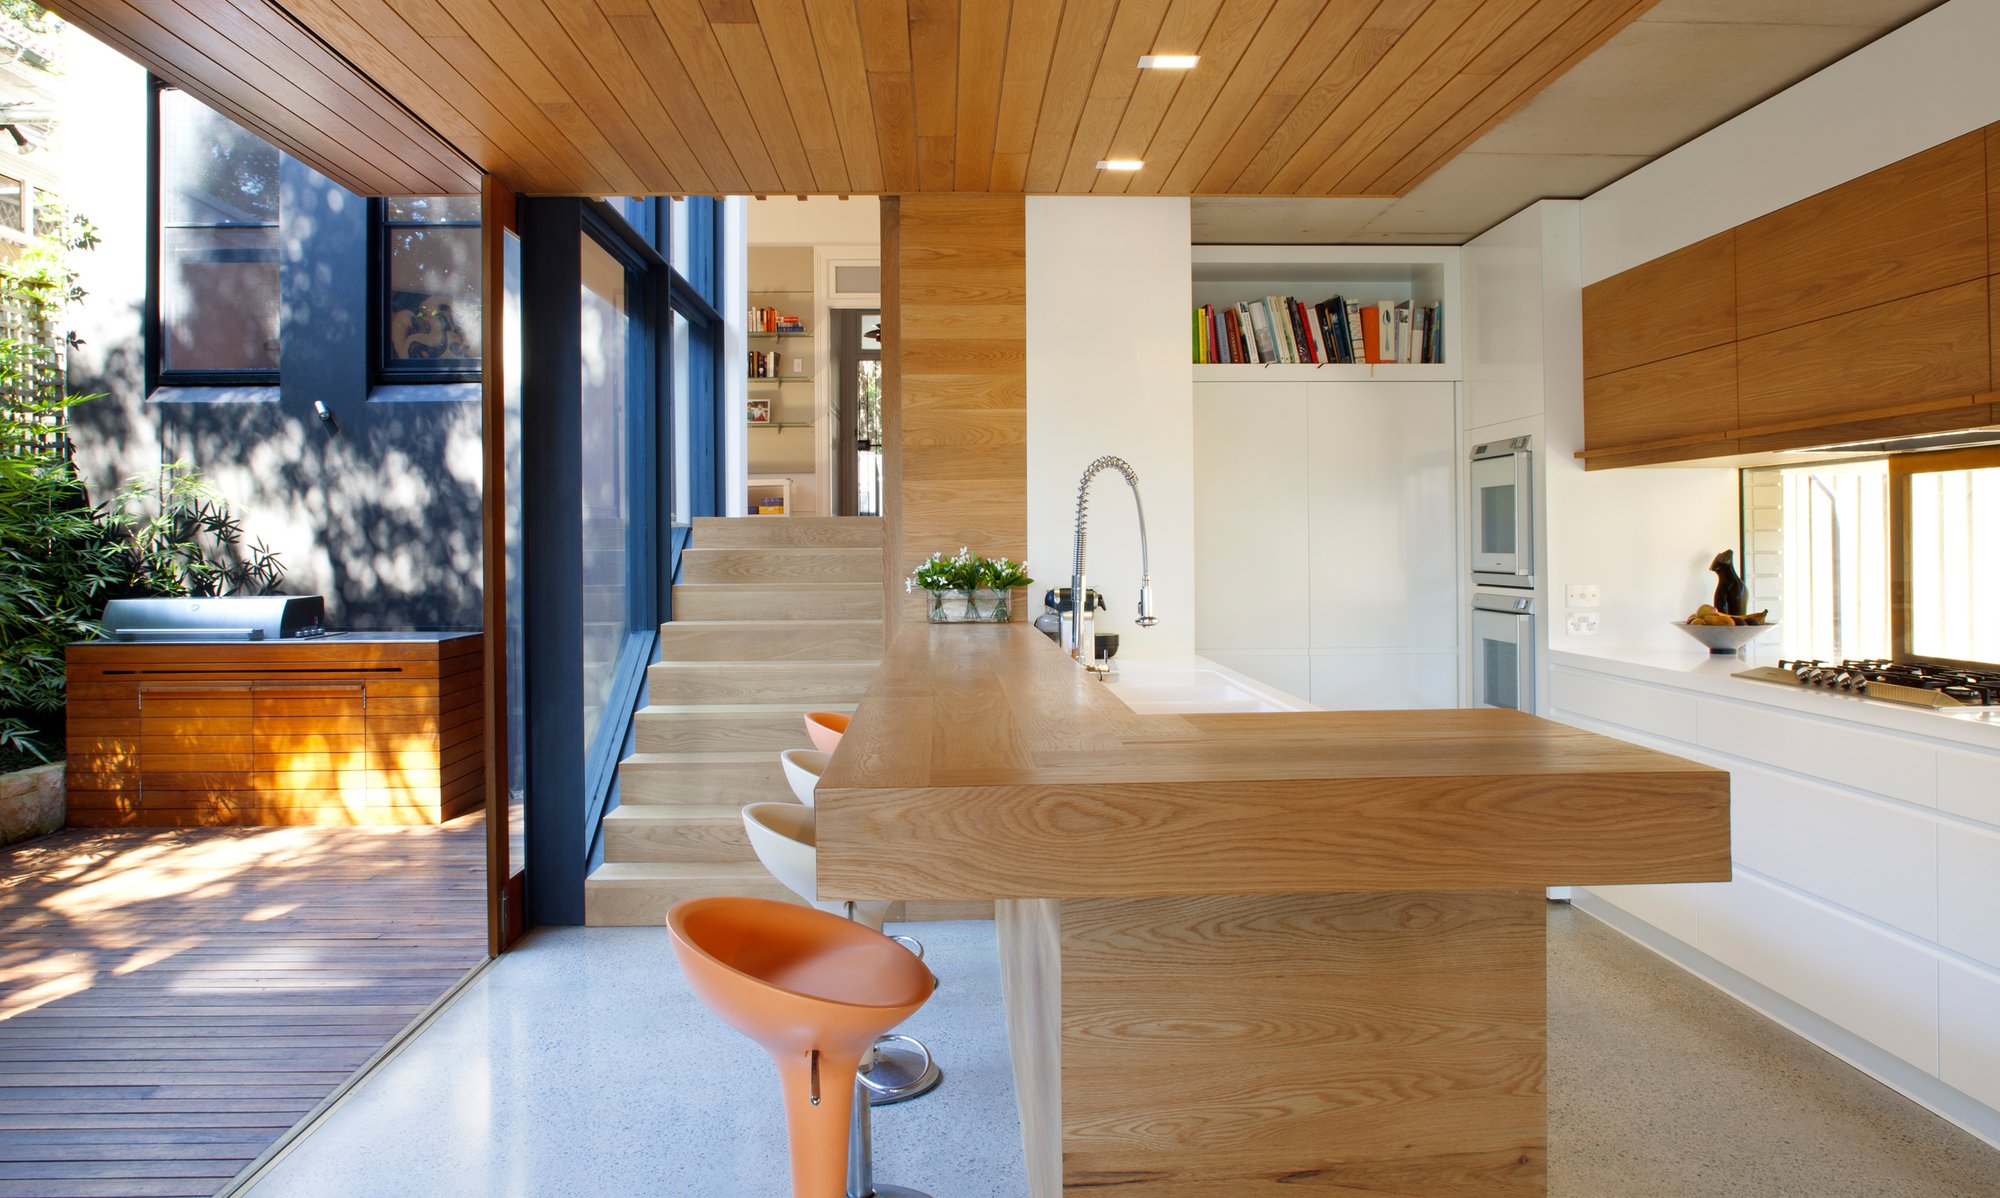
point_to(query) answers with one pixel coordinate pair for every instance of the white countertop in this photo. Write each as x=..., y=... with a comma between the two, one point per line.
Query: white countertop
x=1696, y=670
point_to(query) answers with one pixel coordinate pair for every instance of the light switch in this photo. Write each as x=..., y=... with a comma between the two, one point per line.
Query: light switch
x=1582, y=594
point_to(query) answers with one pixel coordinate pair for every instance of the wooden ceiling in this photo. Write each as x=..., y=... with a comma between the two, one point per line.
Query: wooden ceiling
x=601, y=97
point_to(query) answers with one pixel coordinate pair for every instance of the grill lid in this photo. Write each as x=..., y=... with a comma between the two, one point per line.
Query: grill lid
x=216, y=618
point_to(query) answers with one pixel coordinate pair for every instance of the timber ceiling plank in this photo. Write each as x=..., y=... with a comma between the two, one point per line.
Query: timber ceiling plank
x=1031, y=43
x=270, y=35
x=425, y=82
x=1079, y=46
x=605, y=50
x=1235, y=27
x=1390, y=124
x=1186, y=25
x=177, y=58
x=1371, y=104
x=1259, y=64
x=594, y=102
x=1134, y=31
x=982, y=63
x=749, y=58
x=693, y=39
x=1280, y=118
x=885, y=45
x=788, y=36
x=648, y=44
x=934, y=70
x=521, y=68
x=836, y=34
x=1525, y=73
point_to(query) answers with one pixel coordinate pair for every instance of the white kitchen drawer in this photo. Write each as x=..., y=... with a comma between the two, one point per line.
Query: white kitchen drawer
x=1969, y=1031
x=1968, y=784
x=1648, y=709
x=1871, y=981
x=1968, y=866
x=1866, y=855
x=1898, y=767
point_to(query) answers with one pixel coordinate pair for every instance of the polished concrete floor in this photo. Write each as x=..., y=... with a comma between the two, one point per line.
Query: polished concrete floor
x=580, y=1065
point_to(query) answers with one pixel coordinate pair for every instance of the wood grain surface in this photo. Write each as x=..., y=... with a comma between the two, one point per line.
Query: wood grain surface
x=1292, y=97
x=326, y=732
x=172, y=1001
x=1689, y=400
x=989, y=766
x=1673, y=305
x=1916, y=225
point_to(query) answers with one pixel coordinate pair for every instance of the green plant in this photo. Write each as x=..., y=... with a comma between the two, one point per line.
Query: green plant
x=967, y=571
x=190, y=543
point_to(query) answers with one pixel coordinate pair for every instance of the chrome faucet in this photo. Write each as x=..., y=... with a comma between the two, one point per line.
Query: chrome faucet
x=1082, y=646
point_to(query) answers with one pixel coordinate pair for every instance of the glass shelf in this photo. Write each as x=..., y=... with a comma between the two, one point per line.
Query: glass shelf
x=798, y=334
x=785, y=378
x=781, y=424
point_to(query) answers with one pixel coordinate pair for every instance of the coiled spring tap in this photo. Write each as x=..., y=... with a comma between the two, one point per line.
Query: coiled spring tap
x=1081, y=647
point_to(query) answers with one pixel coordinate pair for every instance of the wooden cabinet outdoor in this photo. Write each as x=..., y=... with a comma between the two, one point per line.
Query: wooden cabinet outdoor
x=333, y=731
x=1914, y=226
x=1865, y=311
x=1666, y=308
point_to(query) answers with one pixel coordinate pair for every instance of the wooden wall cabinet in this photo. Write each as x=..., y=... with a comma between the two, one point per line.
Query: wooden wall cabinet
x=341, y=730
x=1864, y=311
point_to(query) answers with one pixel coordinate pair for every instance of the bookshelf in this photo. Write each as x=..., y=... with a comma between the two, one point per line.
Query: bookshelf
x=1422, y=275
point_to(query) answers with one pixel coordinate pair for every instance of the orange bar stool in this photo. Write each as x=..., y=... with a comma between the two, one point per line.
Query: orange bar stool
x=814, y=991
x=825, y=728
x=785, y=839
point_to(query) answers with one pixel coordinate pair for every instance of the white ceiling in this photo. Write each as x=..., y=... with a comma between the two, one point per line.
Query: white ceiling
x=1683, y=68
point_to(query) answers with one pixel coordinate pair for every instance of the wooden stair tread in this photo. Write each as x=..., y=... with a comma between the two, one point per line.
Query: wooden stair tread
x=676, y=813
x=666, y=759
x=640, y=872
x=666, y=709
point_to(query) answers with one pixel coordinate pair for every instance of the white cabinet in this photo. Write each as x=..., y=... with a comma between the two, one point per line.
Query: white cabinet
x=1868, y=856
x=1968, y=866
x=1969, y=1030
x=1326, y=534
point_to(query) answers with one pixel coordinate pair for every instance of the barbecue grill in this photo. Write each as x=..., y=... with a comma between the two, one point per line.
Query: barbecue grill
x=217, y=618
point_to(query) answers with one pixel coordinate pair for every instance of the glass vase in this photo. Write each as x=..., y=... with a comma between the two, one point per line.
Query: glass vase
x=977, y=606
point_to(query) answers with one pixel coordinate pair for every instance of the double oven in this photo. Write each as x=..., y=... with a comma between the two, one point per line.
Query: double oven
x=1503, y=574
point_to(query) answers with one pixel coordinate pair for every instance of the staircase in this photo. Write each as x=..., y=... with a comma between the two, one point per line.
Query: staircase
x=773, y=617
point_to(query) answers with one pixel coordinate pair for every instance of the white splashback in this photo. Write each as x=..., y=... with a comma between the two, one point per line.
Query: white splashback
x=1110, y=371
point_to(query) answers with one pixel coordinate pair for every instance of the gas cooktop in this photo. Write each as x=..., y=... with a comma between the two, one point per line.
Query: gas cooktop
x=1916, y=683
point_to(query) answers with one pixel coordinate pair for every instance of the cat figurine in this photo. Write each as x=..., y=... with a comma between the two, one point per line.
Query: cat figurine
x=1731, y=596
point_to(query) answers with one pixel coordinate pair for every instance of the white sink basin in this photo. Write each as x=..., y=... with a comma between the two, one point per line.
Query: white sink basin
x=1191, y=686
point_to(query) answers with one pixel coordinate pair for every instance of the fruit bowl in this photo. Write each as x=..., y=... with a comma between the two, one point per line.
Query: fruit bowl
x=1724, y=638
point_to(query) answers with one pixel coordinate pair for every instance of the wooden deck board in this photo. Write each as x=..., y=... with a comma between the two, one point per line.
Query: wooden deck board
x=172, y=1000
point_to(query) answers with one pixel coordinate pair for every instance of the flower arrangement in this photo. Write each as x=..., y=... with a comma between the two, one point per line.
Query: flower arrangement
x=970, y=578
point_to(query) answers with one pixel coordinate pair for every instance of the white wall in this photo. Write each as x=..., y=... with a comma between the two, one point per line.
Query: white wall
x=735, y=308
x=1923, y=84
x=1109, y=372
x=816, y=220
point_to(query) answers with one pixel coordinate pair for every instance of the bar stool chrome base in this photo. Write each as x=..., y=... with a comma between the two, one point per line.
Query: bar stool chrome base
x=903, y=1070
x=892, y=1192
x=861, y=1149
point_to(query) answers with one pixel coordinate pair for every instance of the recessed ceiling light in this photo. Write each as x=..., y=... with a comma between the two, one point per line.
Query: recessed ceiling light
x=1119, y=164
x=1168, y=62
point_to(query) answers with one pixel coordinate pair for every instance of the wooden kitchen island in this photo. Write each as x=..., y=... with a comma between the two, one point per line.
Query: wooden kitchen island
x=1252, y=954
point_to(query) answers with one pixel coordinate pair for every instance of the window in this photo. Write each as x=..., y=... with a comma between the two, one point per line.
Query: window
x=216, y=249
x=1878, y=557
x=430, y=288
x=48, y=214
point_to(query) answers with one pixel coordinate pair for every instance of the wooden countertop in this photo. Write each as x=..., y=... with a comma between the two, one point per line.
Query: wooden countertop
x=983, y=763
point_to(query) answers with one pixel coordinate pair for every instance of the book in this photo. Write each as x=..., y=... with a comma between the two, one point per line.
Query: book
x=1301, y=336
x=1371, y=338
x=1260, y=324
x=1286, y=329
x=1405, y=330
x=1249, y=334
x=1385, y=331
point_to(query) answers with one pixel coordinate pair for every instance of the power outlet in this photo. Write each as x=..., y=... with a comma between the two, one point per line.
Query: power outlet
x=1583, y=623
x=1582, y=594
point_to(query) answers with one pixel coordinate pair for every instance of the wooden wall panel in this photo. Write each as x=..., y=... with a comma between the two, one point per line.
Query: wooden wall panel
x=1914, y=226
x=1381, y=1043
x=1930, y=346
x=310, y=732
x=955, y=352
x=590, y=97
x=1670, y=306
x=1992, y=199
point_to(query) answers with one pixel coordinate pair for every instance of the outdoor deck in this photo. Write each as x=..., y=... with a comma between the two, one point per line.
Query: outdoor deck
x=171, y=1001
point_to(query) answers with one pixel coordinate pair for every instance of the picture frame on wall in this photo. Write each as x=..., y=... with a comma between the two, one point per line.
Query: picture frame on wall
x=760, y=411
